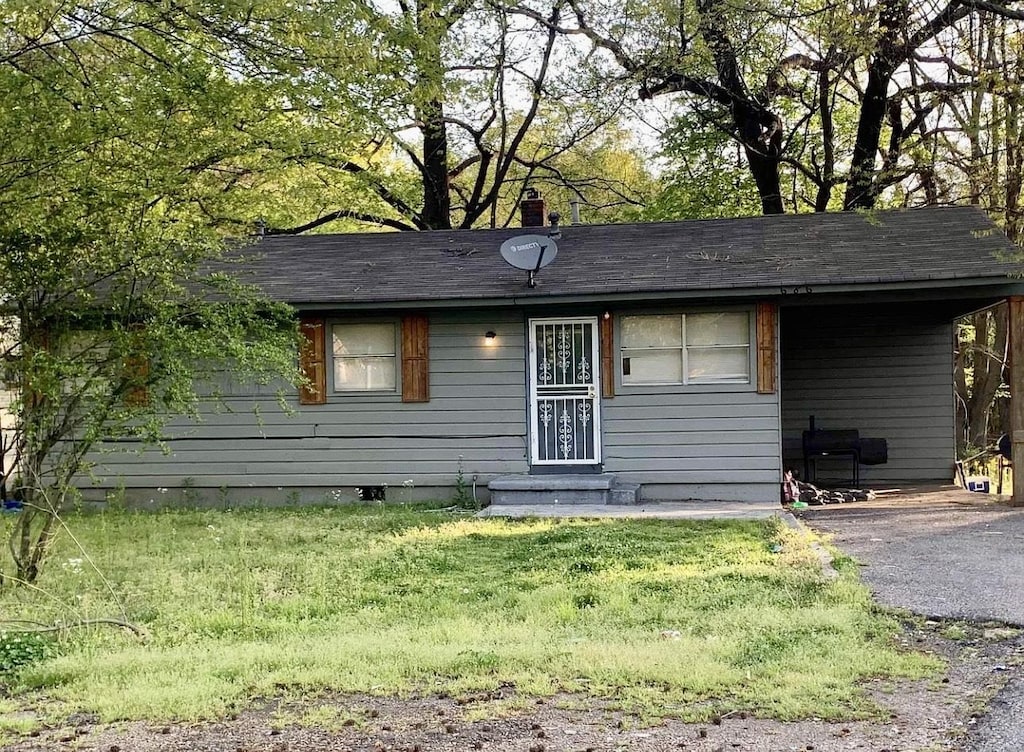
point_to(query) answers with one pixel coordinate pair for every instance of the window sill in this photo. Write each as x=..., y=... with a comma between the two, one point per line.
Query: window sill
x=703, y=388
x=350, y=398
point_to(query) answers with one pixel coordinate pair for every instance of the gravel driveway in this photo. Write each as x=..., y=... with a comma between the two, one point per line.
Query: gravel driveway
x=948, y=560
x=942, y=559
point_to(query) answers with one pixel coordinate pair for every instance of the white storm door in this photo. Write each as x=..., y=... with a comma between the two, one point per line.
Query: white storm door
x=565, y=410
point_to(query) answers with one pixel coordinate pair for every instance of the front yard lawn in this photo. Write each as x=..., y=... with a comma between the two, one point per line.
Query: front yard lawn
x=689, y=619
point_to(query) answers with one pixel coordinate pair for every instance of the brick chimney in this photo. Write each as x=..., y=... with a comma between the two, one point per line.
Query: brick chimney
x=531, y=209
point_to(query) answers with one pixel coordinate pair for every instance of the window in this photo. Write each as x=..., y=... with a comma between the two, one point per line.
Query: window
x=364, y=357
x=695, y=348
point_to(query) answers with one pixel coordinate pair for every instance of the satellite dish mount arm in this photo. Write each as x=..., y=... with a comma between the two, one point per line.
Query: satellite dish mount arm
x=531, y=279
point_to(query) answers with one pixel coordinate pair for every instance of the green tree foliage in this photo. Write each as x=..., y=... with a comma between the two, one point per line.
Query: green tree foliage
x=706, y=175
x=121, y=125
x=604, y=174
x=486, y=100
x=831, y=105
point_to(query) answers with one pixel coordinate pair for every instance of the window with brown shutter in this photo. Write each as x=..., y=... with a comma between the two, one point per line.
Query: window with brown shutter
x=311, y=361
x=766, y=316
x=415, y=358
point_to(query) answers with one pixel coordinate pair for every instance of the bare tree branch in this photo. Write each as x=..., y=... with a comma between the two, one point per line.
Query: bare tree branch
x=341, y=214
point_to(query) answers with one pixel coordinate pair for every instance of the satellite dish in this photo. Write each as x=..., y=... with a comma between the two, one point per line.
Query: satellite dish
x=529, y=252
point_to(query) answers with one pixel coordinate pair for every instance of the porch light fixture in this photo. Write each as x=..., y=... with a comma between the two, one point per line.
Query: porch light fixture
x=490, y=337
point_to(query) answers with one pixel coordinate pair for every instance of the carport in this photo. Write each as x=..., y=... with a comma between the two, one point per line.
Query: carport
x=883, y=369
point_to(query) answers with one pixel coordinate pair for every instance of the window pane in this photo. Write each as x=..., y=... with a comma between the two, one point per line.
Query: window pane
x=718, y=328
x=364, y=374
x=718, y=364
x=652, y=367
x=652, y=331
x=364, y=339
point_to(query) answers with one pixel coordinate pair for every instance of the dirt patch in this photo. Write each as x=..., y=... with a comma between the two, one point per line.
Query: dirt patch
x=934, y=714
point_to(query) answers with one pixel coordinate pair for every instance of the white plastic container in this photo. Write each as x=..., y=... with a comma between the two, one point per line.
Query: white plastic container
x=978, y=483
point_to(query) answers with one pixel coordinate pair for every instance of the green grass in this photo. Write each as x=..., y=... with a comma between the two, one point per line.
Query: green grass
x=247, y=604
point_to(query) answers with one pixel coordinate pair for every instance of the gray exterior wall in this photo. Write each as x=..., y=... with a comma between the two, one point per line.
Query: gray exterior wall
x=707, y=445
x=886, y=371
x=711, y=442
x=686, y=442
x=324, y=452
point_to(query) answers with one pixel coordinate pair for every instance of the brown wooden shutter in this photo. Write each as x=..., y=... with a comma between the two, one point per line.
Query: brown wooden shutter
x=607, y=356
x=311, y=361
x=766, y=316
x=415, y=358
x=136, y=370
x=137, y=373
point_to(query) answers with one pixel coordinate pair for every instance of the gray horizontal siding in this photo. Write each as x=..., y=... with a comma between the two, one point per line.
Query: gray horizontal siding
x=885, y=371
x=695, y=442
x=461, y=409
x=686, y=444
x=476, y=411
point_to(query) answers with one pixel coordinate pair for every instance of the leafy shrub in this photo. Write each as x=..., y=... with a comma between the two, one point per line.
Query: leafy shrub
x=18, y=649
x=586, y=600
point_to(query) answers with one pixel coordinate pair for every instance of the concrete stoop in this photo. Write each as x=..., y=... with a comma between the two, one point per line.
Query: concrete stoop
x=562, y=489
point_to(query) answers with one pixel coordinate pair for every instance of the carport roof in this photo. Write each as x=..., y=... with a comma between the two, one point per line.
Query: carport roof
x=933, y=247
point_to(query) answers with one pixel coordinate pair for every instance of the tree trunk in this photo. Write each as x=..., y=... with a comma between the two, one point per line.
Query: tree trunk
x=765, y=170
x=436, y=198
x=432, y=28
x=828, y=140
x=33, y=529
x=1014, y=145
x=861, y=190
x=759, y=130
x=986, y=352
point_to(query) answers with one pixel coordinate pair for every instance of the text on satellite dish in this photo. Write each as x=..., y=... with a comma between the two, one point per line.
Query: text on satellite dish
x=526, y=247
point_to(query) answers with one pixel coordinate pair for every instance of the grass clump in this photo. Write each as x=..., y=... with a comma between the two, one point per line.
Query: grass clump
x=20, y=649
x=680, y=618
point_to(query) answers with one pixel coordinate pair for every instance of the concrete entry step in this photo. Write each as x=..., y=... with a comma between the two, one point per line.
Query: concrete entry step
x=624, y=493
x=562, y=489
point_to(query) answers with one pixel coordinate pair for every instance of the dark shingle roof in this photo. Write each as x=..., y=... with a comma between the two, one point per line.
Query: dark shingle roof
x=943, y=246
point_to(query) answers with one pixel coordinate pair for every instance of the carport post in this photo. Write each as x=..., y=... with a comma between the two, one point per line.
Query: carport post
x=1016, y=334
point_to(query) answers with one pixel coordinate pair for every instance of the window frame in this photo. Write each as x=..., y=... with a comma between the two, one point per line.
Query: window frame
x=750, y=384
x=333, y=389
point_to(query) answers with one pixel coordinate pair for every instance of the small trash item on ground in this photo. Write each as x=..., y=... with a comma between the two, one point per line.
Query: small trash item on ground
x=670, y=634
